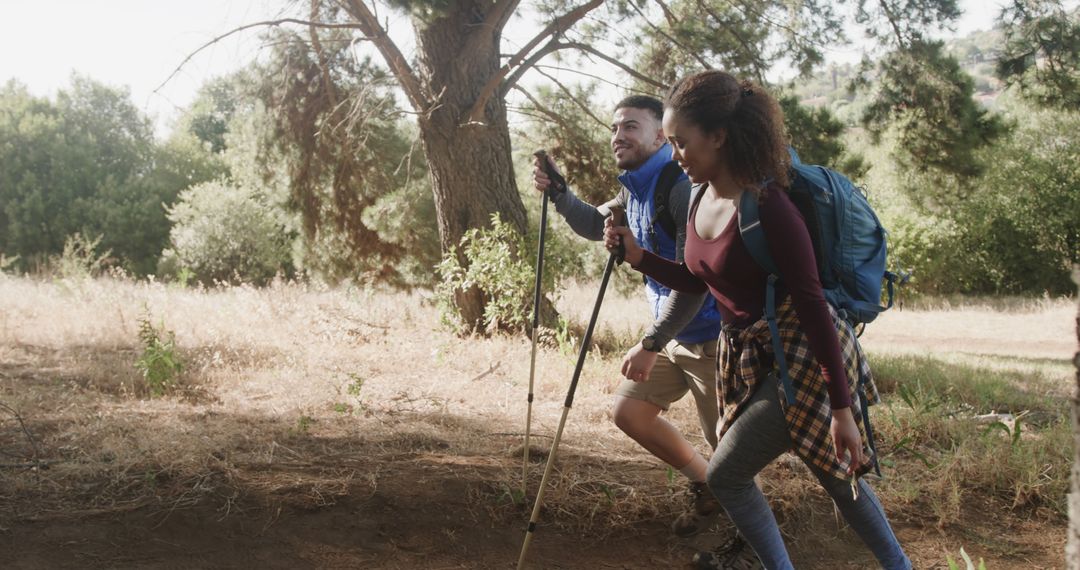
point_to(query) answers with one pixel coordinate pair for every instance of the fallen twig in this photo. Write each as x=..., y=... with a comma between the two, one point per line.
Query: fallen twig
x=490, y=369
x=43, y=464
x=18, y=418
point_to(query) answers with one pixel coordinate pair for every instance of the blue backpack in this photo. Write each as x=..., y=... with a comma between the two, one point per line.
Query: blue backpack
x=849, y=247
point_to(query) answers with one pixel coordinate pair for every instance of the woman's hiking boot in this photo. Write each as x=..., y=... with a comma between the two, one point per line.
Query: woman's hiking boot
x=700, y=515
x=734, y=554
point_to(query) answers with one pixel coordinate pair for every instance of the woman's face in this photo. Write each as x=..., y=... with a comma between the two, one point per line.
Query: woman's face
x=697, y=152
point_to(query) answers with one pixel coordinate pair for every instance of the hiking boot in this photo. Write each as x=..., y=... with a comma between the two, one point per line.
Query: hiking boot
x=700, y=515
x=734, y=554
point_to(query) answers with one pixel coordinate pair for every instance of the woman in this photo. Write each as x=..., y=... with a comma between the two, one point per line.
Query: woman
x=729, y=137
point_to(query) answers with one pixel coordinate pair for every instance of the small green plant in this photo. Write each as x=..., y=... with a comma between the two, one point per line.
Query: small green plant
x=303, y=423
x=565, y=337
x=159, y=364
x=354, y=388
x=917, y=398
x=1013, y=433
x=609, y=495
x=670, y=473
x=511, y=495
x=968, y=563
x=184, y=276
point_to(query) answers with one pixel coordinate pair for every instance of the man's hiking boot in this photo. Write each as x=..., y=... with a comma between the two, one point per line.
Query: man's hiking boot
x=734, y=554
x=700, y=515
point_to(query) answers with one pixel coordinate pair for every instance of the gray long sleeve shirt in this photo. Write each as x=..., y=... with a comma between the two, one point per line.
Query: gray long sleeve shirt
x=588, y=221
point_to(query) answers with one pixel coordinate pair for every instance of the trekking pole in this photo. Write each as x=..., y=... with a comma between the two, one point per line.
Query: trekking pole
x=555, y=182
x=615, y=257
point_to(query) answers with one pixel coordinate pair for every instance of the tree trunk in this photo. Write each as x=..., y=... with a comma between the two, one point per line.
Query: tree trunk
x=1072, y=548
x=472, y=173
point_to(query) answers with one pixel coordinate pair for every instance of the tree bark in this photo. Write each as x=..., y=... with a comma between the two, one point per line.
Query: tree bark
x=472, y=173
x=1072, y=548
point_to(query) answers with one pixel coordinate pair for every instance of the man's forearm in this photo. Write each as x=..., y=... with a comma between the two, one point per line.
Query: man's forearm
x=678, y=311
x=585, y=219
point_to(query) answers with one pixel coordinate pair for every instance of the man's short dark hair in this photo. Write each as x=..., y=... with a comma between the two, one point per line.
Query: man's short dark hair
x=643, y=102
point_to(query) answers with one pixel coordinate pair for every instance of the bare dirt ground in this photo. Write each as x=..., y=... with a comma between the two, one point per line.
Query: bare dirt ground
x=346, y=429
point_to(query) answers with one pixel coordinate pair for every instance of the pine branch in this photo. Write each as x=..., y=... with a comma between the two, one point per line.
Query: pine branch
x=265, y=23
x=555, y=28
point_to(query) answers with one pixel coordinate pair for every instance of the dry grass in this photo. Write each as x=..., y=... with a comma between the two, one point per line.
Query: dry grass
x=299, y=395
x=264, y=367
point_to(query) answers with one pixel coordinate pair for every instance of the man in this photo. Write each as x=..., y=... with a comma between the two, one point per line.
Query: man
x=678, y=352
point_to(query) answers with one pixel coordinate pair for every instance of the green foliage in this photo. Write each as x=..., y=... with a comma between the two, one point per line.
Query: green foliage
x=159, y=364
x=922, y=95
x=816, y=134
x=226, y=233
x=565, y=124
x=1014, y=229
x=1024, y=215
x=905, y=22
x=348, y=162
x=969, y=564
x=303, y=424
x=1041, y=53
x=353, y=388
x=491, y=260
x=745, y=40
x=207, y=119
x=933, y=408
x=926, y=248
x=85, y=163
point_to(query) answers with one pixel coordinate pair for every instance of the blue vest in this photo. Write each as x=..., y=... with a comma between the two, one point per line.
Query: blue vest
x=641, y=184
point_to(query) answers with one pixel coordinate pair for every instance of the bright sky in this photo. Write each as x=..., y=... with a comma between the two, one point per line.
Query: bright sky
x=138, y=43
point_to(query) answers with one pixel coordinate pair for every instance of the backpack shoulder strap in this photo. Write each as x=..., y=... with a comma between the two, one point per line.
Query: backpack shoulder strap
x=754, y=237
x=662, y=197
x=752, y=233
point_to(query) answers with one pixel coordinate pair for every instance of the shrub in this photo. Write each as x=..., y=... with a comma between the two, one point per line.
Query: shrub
x=226, y=233
x=496, y=267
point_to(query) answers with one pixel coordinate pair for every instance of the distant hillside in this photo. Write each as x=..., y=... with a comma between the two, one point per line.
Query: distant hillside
x=976, y=52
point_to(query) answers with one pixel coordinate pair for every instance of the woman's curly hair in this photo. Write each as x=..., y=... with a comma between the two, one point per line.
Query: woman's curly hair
x=756, y=143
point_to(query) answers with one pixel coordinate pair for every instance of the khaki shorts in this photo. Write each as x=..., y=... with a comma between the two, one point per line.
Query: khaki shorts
x=681, y=368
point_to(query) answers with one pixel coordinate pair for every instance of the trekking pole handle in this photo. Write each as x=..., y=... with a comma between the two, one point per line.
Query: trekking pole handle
x=558, y=183
x=618, y=218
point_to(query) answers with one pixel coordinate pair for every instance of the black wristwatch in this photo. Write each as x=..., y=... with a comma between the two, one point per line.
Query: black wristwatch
x=651, y=344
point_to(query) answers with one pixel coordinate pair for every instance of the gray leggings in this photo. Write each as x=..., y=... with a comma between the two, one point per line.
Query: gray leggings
x=757, y=437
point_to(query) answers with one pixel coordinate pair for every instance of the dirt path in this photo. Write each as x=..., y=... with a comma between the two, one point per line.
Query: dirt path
x=405, y=524
x=334, y=502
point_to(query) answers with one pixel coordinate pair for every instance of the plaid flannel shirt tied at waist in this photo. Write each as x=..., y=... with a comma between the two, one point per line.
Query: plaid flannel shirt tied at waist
x=746, y=355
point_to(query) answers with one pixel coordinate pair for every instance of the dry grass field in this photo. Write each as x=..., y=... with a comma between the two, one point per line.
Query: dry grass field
x=313, y=428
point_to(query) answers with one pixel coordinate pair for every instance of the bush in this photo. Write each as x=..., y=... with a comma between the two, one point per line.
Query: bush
x=501, y=263
x=496, y=267
x=226, y=233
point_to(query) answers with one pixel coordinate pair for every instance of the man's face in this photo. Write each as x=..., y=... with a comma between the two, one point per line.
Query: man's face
x=635, y=136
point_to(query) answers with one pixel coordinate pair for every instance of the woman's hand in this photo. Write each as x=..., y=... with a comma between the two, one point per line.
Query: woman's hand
x=615, y=235
x=846, y=439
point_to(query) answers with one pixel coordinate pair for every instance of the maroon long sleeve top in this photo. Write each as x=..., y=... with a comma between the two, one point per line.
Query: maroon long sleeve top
x=724, y=267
